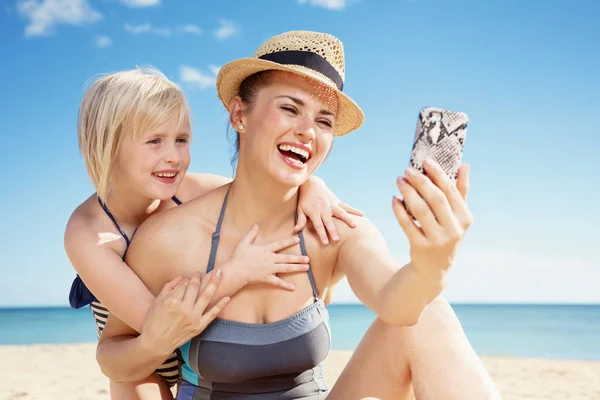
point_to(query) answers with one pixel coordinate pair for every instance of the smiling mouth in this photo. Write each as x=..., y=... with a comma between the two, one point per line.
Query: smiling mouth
x=295, y=155
x=166, y=176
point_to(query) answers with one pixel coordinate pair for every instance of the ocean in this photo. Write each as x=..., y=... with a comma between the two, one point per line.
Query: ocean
x=540, y=331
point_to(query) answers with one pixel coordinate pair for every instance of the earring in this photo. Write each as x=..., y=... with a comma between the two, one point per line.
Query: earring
x=241, y=127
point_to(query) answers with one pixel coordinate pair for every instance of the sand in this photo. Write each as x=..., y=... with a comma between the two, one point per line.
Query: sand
x=65, y=372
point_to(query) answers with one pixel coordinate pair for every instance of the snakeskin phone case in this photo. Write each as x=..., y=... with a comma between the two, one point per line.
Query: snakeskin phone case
x=440, y=135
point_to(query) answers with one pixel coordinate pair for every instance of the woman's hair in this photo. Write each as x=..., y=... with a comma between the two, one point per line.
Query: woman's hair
x=123, y=103
x=247, y=91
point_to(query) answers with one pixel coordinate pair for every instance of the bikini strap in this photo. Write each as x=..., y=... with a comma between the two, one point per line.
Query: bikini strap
x=176, y=200
x=216, y=234
x=112, y=218
x=311, y=276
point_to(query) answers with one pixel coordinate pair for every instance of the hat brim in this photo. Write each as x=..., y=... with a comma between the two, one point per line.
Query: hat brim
x=349, y=118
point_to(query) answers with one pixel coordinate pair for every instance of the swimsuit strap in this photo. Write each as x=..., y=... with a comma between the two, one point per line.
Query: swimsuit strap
x=216, y=234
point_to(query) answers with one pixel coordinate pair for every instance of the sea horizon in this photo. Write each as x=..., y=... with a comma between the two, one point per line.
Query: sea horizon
x=548, y=331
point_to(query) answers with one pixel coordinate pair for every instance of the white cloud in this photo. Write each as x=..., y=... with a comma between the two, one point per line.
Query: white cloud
x=162, y=31
x=147, y=28
x=329, y=4
x=214, y=69
x=103, y=42
x=137, y=29
x=196, y=78
x=226, y=29
x=191, y=29
x=140, y=3
x=45, y=15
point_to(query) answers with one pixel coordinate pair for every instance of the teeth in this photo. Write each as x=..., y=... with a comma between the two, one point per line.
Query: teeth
x=166, y=174
x=297, y=150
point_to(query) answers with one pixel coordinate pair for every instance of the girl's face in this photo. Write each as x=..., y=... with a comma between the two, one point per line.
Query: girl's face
x=155, y=163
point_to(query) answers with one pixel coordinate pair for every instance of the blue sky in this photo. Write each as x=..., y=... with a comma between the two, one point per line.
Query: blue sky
x=525, y=72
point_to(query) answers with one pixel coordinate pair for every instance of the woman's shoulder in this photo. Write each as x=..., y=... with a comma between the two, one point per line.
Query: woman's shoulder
x=190, y=219
x=195, y=185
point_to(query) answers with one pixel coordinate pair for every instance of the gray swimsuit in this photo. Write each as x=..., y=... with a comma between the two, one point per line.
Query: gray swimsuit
x=279, y=360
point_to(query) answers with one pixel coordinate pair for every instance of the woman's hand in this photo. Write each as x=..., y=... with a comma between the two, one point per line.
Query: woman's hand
x=261, y=263
x=320, y=205
x=180, y=312
x=439, y=205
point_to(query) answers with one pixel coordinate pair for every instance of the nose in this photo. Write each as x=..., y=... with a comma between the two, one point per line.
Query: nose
x=171, y=155
x=306, y=128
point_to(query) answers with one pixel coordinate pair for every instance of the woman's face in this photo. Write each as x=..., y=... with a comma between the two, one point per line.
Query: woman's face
x=288, y=127
x=155, y=163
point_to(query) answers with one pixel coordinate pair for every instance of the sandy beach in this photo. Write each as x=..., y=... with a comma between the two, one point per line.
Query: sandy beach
x=65, y=372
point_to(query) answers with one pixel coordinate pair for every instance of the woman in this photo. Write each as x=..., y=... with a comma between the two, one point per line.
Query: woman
x=286, y=104
x=134, y=134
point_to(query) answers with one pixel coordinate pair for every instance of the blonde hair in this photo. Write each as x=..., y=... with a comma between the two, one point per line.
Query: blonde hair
x=119, y=104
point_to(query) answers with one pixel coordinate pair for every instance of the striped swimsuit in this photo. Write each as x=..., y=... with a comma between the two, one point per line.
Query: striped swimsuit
x=281, y=360
x=81, y=296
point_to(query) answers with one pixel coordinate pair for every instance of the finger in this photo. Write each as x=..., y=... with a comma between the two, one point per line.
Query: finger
x=462, y=181
x=283, y=244
x=179, y=290
x=419, y=208
x=207, y=294
x=433, y=196
x=169, y=286
x=251, y=235
x=320, y=229
x=341, y=214
x=462, y=184
x=301, y=223
x=352, y=210
x=291, y=259
x=290, y=268
x=331, y=228
x=211, y=314
x=280, y=283
x=192, y=290
x=450, y=188
x=205, y=279
x=412, y=231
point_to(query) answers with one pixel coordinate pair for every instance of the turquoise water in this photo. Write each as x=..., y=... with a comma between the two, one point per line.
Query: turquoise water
x=543, y=331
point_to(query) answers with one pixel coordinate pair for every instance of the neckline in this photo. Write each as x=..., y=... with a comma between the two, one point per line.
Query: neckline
x=270, y=325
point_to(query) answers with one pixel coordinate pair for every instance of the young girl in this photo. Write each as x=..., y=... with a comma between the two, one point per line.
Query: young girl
x=134, y=134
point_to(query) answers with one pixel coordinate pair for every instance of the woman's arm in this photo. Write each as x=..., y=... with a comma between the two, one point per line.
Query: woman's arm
x=399, y=295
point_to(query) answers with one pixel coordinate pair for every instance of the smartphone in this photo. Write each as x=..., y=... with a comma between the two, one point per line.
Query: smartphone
x=440, y=135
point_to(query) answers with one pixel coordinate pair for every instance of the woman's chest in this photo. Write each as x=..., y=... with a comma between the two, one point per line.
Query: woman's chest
x=263, y=300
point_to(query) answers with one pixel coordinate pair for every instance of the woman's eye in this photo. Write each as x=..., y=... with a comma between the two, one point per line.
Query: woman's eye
x=325, y=122
x=153, y=141
x=182, y=140
x=289, y=109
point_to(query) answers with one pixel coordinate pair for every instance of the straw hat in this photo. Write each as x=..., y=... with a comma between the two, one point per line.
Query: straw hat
x=315, y=55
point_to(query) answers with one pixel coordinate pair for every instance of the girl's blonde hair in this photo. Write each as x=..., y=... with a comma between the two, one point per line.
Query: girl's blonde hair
x=119, y=104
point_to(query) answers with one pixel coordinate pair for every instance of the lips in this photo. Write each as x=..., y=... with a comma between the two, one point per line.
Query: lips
x=166, y=176
x=295, y=154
